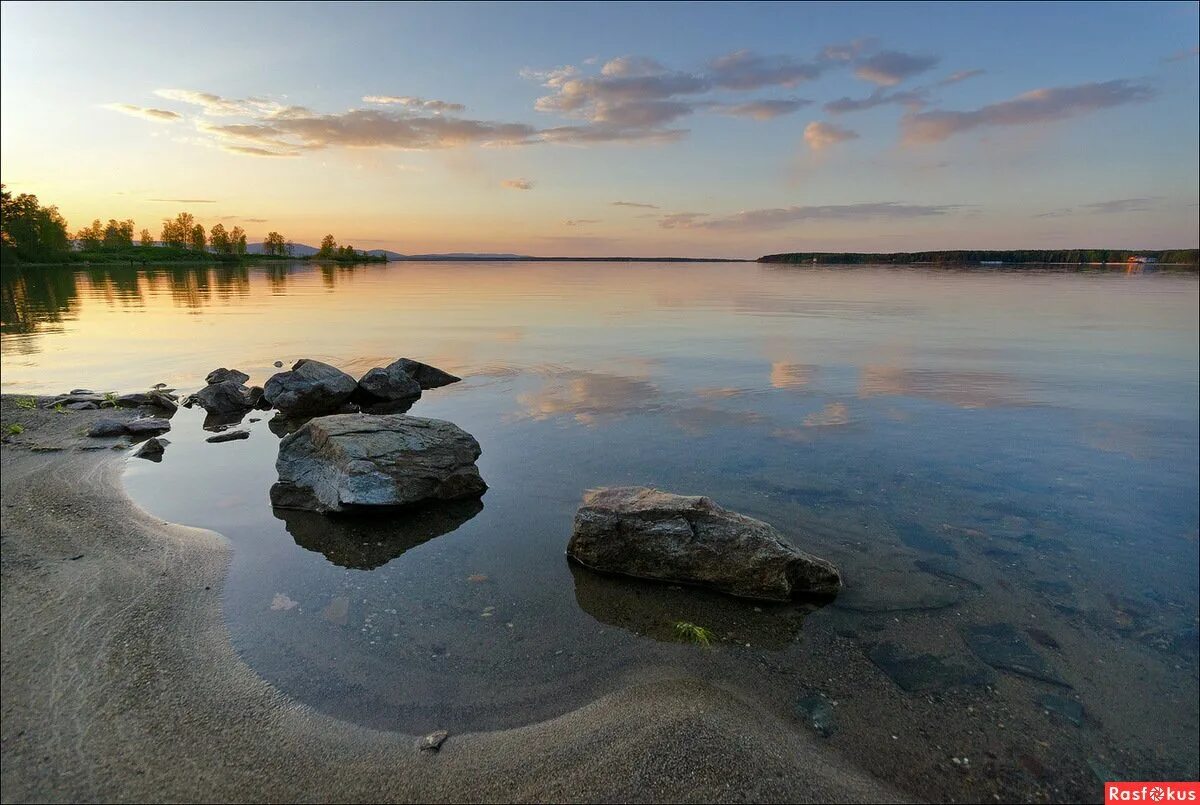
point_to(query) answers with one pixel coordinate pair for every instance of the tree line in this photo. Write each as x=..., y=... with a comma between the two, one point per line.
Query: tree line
x=33, y=233
x=1059, y=256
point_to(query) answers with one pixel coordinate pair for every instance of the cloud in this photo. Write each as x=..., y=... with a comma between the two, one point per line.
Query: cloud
x=746, y=70
x=763, y=110
x=157, y=115
x=634, y=204
x=779, y=217
x=581, y=221
x=437, y=107
x=255, y=151
x=1185, y=54
x=890, y=67
x=913, y=99
x=586, y=135
x=215, y=105
x=961, y=75
x=820, y=135
x=517, y=184
x=1113, y=206
x=185, y=200
x=366, y=128
x=1038, y=106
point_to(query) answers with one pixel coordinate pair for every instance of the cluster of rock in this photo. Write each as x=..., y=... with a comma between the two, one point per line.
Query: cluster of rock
x=88, y=400
x=347, y=457
x=145, y=426
x=226, y=392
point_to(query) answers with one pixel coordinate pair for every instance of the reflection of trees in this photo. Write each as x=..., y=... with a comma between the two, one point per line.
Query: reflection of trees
x=30, y=299
x=370, y=540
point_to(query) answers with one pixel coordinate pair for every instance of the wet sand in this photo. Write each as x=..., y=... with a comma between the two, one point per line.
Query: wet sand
x=120, y=682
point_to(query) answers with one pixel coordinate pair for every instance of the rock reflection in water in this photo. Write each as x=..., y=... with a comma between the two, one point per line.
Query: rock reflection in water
x=368, y=541
x=651, y=609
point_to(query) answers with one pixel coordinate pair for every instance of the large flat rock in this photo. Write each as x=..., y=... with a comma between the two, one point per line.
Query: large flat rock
x=643, y=532
x=355, y=461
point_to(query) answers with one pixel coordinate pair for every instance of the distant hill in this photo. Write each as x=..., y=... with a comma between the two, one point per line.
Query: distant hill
x=993, y=257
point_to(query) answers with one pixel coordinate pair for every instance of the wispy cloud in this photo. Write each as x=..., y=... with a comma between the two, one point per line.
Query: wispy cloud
x=216, y=105
x=414, y=103
x=746, y=70
x=912, y=99
x=1185, y=54
x=1110, y=207
x=517, y=184
x=157, y=115
x=763, y=109
x=779, y=217
x=890, y=67
x=961, y=75
x=634, y=204
x=820, y=135
x=1038, y=106
x=581, y=221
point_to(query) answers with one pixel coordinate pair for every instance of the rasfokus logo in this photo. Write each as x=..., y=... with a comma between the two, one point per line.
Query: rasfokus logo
x=1151, y=792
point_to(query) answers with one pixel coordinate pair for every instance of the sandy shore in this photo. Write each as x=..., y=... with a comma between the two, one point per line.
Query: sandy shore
x=120, y=683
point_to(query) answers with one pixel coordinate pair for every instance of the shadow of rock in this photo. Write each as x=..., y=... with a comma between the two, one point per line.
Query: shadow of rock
x=897, y=590
x=368, y=541
x=652, y=609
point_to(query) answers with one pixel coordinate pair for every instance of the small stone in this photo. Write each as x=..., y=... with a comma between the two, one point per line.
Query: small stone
x=1061, y=705
x=223, y=374
x=152, y=449
x=818, y=713
x=81, y=406
x=107, y=427
x=433, y=741
x=277, y=364
x=148, y=425
x=228, y=436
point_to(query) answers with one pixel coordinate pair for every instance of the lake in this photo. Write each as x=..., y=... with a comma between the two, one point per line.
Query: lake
x=1003, y=464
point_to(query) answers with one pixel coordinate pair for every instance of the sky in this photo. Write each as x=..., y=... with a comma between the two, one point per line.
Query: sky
x=682, y=129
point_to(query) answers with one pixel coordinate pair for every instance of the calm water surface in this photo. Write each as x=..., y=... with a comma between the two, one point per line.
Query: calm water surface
x=974, y=448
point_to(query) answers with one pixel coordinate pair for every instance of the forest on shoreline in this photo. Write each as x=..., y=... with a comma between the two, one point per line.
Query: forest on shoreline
x=1083, y=257
x=32, y=234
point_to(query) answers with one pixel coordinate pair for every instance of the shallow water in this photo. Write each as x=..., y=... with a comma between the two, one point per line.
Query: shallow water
x=982, y=452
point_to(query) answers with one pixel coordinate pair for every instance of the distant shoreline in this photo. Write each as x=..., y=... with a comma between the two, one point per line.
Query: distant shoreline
x=960, y=257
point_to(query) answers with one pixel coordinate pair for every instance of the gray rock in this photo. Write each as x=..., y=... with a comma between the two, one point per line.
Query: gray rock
x=1001, y=646
x=387, y=385
x=225, y=397
x=311, y=388
x=355, y=461
x=278, y=364
x=81, y=406
x=229, y=436
x=152, y=449
x=433, y=741
x=642, y=532
x=81, y=391
x=223, y=374
x=107, y=427
x=818, y=712
x=1069, y=709
x=149, y=425
x=67, y=399
x=430, y=377
x=254, y=396
x=918, y=673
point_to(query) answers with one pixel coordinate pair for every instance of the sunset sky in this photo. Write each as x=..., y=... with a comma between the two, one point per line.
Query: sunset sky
x=611, y=129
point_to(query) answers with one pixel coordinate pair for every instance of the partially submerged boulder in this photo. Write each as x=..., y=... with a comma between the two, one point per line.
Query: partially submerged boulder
x=311, y=388
x=223, y=374
x=643, y=532
x=387, y=384
x=356, y=461
x=429, y=377
x=225, y=397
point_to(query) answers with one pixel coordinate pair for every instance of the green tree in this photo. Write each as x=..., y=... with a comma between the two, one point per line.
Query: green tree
x=29, y=231
x=238, y=239
x=218, y=238
x=146, y=238
x=328, y=244
x=91, y=237
x=198, y=239
x=274, y=244
x=118, y=234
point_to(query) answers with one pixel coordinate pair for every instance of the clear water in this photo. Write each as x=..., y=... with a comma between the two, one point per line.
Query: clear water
x=972, y=447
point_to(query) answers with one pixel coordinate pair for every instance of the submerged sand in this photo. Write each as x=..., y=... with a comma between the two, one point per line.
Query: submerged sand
x=120, y=682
